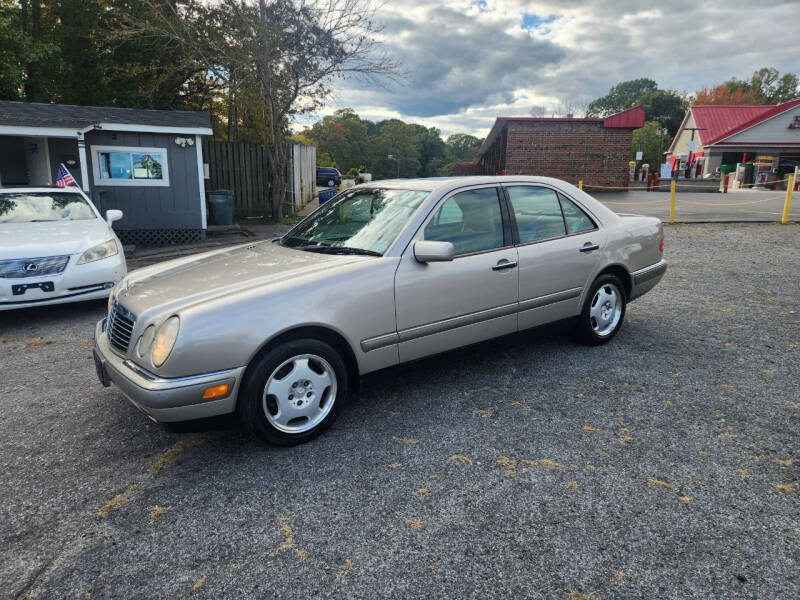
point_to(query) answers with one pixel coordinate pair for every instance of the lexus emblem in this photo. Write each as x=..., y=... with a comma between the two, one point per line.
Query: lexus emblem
x=30, y=267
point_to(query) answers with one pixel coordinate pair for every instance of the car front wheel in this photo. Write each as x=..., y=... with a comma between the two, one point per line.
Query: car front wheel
x=293, y=392
x=603, y=311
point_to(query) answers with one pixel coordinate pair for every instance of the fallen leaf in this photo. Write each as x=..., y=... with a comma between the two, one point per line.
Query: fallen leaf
x=588, y=429
x=406, y=441
x=785, y=463
x=115, y=502
x=173, y=452
x=591, y=468
x=785, y=487
x=510, y=465
x=396, y=465
x=742, y=472
x=573, y=485
x=344, y=570
x=623, y=436
x=422, y=491
x=199, y=583
x=415, y=523
x=659, y=483
x=157, y=511
x=461, y=459
x=685, y=499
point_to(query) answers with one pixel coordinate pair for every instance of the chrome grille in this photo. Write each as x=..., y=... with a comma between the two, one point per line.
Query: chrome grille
x=33, y=267
x=120, y=327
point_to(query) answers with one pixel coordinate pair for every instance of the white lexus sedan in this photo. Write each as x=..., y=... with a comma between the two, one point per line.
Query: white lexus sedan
x=55, y=247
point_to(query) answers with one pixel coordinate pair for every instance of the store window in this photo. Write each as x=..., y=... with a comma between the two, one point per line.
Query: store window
x=132, y=166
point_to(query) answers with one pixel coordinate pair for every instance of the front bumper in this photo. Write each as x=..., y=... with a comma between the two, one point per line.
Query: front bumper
x=91, y=281
x=164, y=399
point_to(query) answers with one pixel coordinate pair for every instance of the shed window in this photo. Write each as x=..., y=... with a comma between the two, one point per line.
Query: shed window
x=130, y=166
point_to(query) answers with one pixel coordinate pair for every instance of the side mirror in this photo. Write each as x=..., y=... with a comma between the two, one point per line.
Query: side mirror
x=426, y=252
x=113, y=215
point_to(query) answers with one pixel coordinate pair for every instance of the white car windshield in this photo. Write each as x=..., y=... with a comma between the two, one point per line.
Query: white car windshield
x=358, y=221
x=31, y=207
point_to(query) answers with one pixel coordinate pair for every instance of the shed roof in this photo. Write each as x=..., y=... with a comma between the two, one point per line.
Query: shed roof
x=34, y=114
x=632, y=118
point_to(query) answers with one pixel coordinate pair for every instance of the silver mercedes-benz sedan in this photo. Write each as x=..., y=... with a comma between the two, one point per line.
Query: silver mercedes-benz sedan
x=388, y=272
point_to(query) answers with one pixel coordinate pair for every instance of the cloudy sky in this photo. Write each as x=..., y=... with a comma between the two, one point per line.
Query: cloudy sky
x=468, y=61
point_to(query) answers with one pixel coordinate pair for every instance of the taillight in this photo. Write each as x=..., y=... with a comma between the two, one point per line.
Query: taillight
x=661, y=245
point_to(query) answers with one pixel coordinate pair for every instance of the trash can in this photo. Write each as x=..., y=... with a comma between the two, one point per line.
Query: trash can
x=327, y=194
x=220, y=207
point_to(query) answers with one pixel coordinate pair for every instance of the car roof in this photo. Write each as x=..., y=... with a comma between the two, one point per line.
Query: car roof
x=444, y=183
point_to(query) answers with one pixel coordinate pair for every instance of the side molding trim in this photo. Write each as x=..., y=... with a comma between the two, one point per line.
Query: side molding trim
x=550, y=299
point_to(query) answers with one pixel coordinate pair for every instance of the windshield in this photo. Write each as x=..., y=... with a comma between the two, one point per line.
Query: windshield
x=30, y=207
x=360, y=220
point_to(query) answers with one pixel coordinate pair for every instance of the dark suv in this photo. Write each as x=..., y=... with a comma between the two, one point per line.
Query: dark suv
x=328, y=176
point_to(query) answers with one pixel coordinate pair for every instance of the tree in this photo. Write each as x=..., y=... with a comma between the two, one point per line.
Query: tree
x=620, y=97
x=278, y=56
x=726, y=94
x=765, y=86
x=666, y=107
x=431, y=149
x=651, y=141
x=463, y=147
x=398, y=140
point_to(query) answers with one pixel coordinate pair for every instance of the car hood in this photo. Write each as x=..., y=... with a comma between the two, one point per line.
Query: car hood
x=186, y=281
x=51, y=238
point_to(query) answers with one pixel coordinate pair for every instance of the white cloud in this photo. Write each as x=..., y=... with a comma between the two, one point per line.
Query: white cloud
x=469, y=61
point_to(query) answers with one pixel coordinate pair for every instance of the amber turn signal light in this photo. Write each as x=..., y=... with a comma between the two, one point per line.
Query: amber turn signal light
x=215, y=391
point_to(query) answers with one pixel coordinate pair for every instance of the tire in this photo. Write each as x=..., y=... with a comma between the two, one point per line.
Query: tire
x=269, y=405
x=603, y=311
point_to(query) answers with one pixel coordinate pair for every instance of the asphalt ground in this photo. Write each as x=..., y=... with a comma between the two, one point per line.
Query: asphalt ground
x=662, y=465
x=748, y=205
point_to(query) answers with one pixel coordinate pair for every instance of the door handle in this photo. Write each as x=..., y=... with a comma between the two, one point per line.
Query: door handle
x=504, y=264
x=589, y=247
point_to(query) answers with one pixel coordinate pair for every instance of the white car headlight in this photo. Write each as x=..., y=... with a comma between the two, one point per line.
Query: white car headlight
x=165, y=340
x=99, y=252
x=146, y=341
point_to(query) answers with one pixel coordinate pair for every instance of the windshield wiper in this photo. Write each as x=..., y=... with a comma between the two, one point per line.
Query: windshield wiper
x=338, y=250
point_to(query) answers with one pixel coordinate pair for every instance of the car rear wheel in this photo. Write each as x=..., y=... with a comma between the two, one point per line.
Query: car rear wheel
x=293, y=392
x=603, y=311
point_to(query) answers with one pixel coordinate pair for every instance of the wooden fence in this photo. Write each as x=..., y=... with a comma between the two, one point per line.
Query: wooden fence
x=241, y=167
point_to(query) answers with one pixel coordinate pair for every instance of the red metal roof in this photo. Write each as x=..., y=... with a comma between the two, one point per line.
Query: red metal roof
x=632, y=118
x=721, y=121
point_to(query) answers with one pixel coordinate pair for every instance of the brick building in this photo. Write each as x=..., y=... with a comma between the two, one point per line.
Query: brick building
x=596, y=150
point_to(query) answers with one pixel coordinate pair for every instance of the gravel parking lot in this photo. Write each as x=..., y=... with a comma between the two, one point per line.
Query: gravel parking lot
x=663, y=465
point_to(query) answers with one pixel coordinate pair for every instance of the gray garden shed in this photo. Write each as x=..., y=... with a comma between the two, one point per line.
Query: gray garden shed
x=147, y=163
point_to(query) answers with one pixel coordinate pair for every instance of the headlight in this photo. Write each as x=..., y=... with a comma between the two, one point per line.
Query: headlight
x=146, y=341
x=165, y=340
x=99, y=252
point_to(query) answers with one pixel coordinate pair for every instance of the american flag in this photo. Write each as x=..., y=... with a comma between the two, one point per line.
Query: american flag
x=64, y=177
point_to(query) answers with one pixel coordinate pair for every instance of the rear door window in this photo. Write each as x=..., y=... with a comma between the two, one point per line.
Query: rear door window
x=537, y=213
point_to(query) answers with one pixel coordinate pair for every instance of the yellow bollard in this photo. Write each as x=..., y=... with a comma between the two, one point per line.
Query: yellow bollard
x=672, y=201
x=788, y=201
x=580, y=184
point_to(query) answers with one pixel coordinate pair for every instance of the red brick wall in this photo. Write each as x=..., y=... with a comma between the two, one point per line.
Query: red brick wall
x=569, y=150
